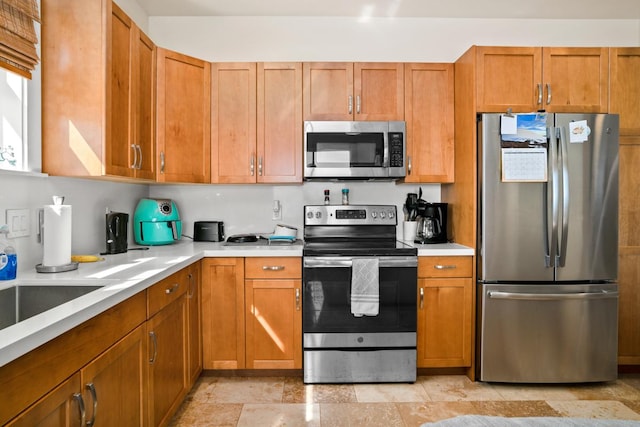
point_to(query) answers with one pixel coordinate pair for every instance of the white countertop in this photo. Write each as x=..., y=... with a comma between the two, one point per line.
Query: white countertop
x=122, y=276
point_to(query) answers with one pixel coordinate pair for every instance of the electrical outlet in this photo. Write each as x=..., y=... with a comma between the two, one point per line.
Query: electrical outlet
x=277, y=211
x=18, y=222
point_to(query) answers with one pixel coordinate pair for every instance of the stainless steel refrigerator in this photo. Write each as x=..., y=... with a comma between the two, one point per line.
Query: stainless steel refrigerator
x=547, y=248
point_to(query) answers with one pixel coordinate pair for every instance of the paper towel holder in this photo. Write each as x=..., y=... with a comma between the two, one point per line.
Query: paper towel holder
x=40, y=268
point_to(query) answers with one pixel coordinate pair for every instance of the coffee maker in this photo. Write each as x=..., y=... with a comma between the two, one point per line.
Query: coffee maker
x=116, y=232
x=432, y=222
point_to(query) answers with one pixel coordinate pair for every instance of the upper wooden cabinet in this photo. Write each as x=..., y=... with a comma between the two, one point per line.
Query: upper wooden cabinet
x=353, y=91
x=256, y=121
x=132, y=83
x=625, y=88
x=98, y=75
x=429, y=117
x=184, y=117
x=554, y=79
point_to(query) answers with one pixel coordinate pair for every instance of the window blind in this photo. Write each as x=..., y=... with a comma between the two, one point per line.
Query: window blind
x=18, y=37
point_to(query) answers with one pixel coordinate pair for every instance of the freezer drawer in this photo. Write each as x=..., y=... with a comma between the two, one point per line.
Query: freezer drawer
x=548, y=333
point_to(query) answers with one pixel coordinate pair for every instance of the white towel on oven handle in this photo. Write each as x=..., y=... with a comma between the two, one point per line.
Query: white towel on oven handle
x=365, y=287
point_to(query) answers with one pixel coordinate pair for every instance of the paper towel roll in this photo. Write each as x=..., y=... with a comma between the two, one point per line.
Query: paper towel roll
x=57, y=235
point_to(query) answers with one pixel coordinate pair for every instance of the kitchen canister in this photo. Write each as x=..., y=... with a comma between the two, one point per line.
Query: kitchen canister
x=56, y=238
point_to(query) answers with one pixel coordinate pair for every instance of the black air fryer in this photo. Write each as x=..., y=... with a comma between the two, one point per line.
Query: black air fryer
x=116, y=232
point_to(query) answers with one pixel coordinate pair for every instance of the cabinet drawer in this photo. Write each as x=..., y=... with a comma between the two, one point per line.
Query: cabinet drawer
x=273, y=267
x=166, y=291
x=445, y=266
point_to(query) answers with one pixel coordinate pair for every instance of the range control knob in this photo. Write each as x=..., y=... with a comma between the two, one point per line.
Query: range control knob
x=391, y=214
x=309, y=214
x=318, y=214
x=383, y=215
x=374, y=214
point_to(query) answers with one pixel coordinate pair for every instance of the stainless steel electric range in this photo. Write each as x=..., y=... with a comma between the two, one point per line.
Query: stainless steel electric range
x=359, y=296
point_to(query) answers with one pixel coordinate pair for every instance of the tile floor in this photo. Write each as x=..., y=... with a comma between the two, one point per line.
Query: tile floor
x=286, y=401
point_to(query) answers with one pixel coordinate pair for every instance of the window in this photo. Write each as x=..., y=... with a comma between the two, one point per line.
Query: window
x=13, y=121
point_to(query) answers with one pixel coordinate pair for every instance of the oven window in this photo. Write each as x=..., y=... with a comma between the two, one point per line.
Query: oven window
x=327, y=302
x=326, y=149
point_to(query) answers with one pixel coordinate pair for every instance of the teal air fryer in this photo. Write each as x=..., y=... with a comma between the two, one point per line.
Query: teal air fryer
x=156, y=222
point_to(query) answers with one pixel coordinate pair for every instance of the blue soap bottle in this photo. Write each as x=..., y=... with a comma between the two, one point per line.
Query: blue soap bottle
x=8, y=256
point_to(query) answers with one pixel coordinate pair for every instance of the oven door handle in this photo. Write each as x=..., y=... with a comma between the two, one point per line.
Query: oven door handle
x=346, y=262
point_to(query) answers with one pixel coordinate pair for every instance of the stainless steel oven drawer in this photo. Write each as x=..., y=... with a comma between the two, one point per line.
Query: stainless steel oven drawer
x=356, y=366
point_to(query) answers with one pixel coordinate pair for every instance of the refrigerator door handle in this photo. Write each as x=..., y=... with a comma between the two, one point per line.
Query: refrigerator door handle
x=546, y=297
x=564, y=162
x=552, y=191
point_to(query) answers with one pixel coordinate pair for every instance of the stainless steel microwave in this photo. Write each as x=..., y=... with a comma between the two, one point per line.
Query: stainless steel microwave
x=354, y=150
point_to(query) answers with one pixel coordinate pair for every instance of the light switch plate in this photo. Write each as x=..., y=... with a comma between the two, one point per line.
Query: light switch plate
x=18, y=222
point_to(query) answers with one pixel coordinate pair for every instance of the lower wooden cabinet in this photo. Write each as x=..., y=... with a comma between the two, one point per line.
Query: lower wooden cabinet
x=114, y=384
x=223, y=313
x=116, y=369
x=194, y=323
x=445, y=290
x=110, y=391
x=273, y=313
x=168, y=362
x=61, y=407
x=251, y=313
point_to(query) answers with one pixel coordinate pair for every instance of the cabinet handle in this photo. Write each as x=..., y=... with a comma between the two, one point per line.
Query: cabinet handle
x=421, y=298
x=134, y=165
x=539, y=93
x=83, y=415
x=162, y=162
x=358, y=104
x=260, y=165
x=94, y=396
x=297, y=299
x=548, y=93
x=350, y=104
x=139, y=156
x=172, y=289
x=445, y=267
x=154, y=340
x=409, y=165
x=191, y=287
x=273, y=267
x=252, y=165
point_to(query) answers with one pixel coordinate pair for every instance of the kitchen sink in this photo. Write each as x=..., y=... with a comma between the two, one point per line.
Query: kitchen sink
x=21, y=302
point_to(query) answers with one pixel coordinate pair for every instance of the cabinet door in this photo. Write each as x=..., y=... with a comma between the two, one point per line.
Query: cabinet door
x=59, y=408
x=576, y=80
x=328, y=90
x=279, y=121
x=223, y=313
x=119, y=153
x=378, y=91
x=625, y=88
x=444, y=322
x=194, y=297
x=233, y=123
x=144, y=106
x=168, y=361
x=429, y=118
x=184, y=117
x=114, y=384
x=629, y=252
x=274, y=324
x=508, y=77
